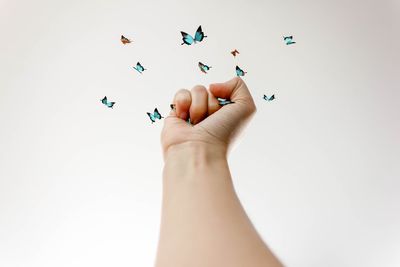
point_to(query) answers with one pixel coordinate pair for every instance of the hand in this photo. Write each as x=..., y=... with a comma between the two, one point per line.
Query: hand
x=211, y=124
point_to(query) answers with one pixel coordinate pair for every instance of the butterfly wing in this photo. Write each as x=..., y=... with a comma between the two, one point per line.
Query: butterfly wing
x=110, y=104
x=269, y=98
x=104, y=100
x=151, y=116
x=125, y=40
x=239, y=71
x=199, y=35
x=223, y=101
x=187, y=38
x=139, y=67
x=157, y=114
x=203, y=68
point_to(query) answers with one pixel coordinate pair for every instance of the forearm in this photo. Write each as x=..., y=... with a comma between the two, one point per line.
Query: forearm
x=203, y=222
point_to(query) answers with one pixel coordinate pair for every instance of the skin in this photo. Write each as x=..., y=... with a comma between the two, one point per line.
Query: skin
x=203, y=222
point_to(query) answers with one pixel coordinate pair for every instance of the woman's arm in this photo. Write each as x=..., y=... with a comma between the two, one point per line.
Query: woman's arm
x=203, y=222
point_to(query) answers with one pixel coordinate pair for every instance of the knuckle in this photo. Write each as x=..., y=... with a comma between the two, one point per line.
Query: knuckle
x=199, y=89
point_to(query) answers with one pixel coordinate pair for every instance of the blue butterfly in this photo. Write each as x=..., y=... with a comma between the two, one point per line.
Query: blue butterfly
x=288, y=40
x=188, y=39
x=155, y=115
x=240, y=72
x=269, y=98
x=139, y=68
x=108, y=104
x=204, y=68
x=223, y=101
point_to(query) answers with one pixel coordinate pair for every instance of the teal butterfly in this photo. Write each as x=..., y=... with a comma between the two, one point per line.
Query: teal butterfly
x=108, y=104
x=155, y=115
x=223, y=101
x=240, y=72
x=269, y=98
x=288, y=40
x=204, y=68
x=139, y=68
x=198, y=37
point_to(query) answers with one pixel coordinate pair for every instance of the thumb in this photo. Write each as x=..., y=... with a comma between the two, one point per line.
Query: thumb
x=234, y=89
x=229, y=120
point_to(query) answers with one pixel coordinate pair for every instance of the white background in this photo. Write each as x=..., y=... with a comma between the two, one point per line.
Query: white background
x=318, y=169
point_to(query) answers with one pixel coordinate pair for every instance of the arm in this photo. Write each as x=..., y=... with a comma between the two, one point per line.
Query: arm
x=203, y=222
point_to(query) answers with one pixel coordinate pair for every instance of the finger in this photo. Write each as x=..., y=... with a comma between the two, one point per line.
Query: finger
x=199, y=105
x=213, y=104
x=182, y=101
x=234, y=89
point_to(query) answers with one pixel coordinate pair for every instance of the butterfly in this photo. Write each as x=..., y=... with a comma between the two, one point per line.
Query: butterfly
x=155, y=115
x=188, y=39
x=235, y=52
x=288, y=40
x=139, y=68
x=108, y=104
x=125, y=40
x=223, y=101
x=240, y=72
x=204, y=68
x=269, y=98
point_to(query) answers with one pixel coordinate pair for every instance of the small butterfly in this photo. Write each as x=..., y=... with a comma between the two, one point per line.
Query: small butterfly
x=139, y=68
x=288, y=40
x=204, y=68
x=155, y=115
x=125, y=40
x=188, y=39
x=223, y=101
x=269, y=98
x=235, y=52
x=108, y=104
x=240, y=72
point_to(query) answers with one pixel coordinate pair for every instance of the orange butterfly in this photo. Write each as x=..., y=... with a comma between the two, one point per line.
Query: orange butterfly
x=235, y=52
x=125, y=40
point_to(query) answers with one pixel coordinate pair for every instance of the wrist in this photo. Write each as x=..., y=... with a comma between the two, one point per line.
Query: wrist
x=190, y=157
